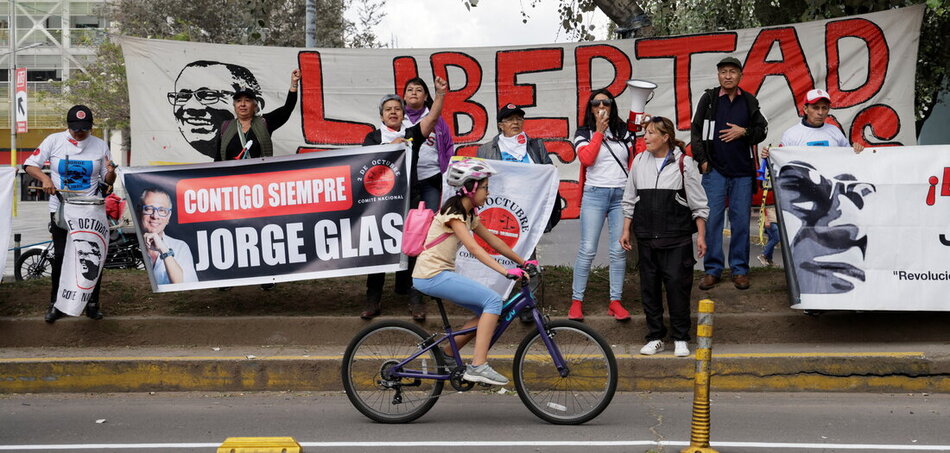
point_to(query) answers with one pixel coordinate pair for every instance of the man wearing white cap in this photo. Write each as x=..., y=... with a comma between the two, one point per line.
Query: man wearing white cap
x=812, y=130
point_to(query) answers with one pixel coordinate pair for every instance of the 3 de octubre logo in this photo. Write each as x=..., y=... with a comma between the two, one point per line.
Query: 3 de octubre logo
x=505, y=219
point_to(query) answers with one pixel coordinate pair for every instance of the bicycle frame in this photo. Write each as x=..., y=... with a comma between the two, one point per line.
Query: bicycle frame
x=509, y=312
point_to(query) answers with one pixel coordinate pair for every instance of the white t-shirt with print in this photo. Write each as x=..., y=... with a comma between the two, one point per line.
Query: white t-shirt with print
x=802, y=135
x=428, y=165
x=74, y=165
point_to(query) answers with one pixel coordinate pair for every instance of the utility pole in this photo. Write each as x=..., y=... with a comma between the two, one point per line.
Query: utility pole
x=12, y=81
x=311, y=23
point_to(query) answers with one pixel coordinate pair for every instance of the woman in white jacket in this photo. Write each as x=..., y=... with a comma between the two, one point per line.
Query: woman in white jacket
x=663, y=205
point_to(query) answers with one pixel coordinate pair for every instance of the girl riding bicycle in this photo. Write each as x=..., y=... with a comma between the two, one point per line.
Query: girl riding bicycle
x=435, y=274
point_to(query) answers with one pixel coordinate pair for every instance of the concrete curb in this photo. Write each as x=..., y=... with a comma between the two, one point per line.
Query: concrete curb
x=831, y=372
x=731, y=328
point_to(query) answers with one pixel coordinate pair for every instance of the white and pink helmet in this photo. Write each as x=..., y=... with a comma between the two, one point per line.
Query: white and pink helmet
x=463, y=171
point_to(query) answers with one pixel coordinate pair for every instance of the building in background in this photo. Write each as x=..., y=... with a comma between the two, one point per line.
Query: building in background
x=55, y=39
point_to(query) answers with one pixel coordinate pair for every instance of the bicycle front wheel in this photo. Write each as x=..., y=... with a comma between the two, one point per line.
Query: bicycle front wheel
x=33, y=264
x=369, y=361
x=581, y=395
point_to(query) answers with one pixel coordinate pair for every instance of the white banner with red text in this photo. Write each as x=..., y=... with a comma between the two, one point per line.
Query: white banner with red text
x=868, y=231
x=257, y=221
x=520, y=199
x=180, y=92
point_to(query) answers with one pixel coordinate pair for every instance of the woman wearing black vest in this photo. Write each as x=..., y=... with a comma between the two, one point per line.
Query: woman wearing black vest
x=392, y=111
x=249, y=127
x=664, y=203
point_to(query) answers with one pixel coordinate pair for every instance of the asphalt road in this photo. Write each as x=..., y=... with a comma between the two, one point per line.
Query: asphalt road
x=474, y=422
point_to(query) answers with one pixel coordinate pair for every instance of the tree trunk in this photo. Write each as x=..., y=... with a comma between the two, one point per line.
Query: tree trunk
x=621, y=12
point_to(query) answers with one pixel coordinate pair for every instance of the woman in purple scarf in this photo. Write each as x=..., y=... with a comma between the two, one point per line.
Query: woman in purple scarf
x=434, y=155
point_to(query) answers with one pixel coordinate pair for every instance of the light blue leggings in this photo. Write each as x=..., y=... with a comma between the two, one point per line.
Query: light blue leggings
x=462, y=291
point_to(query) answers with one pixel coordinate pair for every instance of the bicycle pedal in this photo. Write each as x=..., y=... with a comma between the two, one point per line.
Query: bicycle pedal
x=482, y=384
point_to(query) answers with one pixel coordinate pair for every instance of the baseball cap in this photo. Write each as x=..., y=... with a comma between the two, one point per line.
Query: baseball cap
x=729, y=61
x=79, y=117
x=815, y=95
x=244, y=93
x=509, y=110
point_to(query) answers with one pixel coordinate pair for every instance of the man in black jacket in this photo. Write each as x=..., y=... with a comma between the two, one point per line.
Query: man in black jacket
x=726, y=127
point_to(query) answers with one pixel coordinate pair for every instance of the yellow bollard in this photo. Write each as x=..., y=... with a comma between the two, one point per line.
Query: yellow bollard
x=699, y=432
x=260, y=445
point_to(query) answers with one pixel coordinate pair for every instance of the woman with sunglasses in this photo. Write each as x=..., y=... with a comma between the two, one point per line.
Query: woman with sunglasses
x=393, y=129
x=605, y=150
x=248, y=135
x=665, y=203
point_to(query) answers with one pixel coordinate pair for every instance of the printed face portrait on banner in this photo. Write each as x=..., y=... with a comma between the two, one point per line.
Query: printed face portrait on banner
x=821, y=221
x=202, y=99
x=89, y=258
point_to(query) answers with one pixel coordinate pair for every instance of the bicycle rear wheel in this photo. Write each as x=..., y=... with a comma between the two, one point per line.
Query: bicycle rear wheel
x=580, y=396
x=370, y=358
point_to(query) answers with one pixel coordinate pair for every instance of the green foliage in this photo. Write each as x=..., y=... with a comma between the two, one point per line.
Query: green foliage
x=101, y=87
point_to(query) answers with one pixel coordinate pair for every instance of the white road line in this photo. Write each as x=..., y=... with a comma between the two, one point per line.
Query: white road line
x=619, y=443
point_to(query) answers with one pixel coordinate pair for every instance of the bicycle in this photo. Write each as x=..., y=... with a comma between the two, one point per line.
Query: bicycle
x=564, y=371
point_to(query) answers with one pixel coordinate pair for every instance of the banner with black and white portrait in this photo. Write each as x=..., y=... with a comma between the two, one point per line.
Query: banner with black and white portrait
x=255, y=221
x=519, y=202
x=868, y=231
x=87, y=245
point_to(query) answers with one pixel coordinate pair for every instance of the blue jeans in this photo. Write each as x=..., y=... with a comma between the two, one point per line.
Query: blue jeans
x=772, y=232
x=600, y=203
x=738, y=192
x=462, y=291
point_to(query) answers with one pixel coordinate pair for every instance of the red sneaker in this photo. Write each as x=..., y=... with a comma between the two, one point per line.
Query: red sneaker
x=617, y=311
x=576, y=312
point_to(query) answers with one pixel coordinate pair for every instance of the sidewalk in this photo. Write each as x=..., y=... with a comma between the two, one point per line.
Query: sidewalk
x=775, y=367
x=893, y=352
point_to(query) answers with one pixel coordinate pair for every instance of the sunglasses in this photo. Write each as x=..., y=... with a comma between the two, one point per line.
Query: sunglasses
x=80, y=129
x=601, y=102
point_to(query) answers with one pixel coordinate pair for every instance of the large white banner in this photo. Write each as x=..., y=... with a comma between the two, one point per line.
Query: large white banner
x=867, y=231
x=180, y=92
x=87, y=245
x=7, y=177
x=519, y=202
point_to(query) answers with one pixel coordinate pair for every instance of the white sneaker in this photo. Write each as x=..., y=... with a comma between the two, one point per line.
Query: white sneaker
x=763, y=260
x=681, y=349
x=652, y=347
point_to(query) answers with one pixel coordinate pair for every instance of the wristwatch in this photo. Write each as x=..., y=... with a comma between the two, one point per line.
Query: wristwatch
x=170, y=252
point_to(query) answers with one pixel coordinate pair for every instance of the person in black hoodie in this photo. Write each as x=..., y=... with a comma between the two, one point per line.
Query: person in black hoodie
x=725, y=129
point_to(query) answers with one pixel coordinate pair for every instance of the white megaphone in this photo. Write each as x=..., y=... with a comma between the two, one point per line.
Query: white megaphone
x=641, y=91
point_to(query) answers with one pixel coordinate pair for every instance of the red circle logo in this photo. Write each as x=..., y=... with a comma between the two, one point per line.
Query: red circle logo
x=379, y=180
x=501, y=223
x=521, y=139
x=81, y=115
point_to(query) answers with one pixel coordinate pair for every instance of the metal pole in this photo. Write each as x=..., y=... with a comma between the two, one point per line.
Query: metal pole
x=12, y=81
x=311, y=23
x=699, y=432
